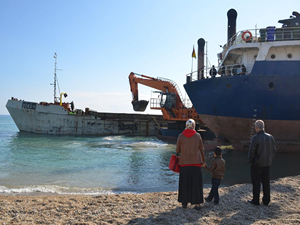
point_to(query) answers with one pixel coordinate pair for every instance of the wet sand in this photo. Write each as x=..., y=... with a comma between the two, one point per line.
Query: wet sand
x=155, y=208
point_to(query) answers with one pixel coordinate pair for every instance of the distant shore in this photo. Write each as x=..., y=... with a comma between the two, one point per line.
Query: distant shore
x=155, y=208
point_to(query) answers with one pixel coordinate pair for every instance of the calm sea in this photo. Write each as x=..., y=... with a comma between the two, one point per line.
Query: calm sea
x=33, y=163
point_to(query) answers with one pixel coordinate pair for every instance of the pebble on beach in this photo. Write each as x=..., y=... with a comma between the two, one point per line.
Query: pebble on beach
x=155, y=208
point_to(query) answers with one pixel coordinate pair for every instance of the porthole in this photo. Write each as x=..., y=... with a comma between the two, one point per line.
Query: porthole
x=228, y=85
x=271, y=86
x=289, y=55
x=273, y=56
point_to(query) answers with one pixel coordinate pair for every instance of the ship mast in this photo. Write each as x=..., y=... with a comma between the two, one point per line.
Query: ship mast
x=55, y=56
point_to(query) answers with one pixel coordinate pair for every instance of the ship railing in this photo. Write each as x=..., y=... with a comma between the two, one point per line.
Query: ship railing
x=244, y=36
x=223, y=71
x=193, y=76
x=267, y=34
x=234, y=70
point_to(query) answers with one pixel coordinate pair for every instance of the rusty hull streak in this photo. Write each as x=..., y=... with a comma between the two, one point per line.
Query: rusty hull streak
x=239, y=131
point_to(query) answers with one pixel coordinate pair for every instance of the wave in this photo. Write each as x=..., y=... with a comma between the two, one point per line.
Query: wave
x=55, y=189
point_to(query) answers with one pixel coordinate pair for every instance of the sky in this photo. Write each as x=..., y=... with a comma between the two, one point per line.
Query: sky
x=99, y=42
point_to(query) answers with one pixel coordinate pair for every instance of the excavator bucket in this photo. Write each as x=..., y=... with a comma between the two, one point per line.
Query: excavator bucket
x=139, y=105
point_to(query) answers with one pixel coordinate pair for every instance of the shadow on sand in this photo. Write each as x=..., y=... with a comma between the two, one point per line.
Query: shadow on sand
x=232, y=209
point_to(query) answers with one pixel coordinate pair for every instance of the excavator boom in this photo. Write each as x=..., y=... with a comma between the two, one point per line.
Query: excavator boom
x=159, y=84
x=170, y=104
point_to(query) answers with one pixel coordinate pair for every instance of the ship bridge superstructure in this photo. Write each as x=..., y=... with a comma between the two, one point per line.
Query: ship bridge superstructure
x=246, y=47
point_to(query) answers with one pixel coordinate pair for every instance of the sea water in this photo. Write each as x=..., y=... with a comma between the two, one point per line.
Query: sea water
x=91, y=165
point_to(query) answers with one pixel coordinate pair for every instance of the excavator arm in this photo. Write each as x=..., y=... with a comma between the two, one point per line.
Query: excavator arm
x=138, y=105
x=171, y=103
x=162, y=85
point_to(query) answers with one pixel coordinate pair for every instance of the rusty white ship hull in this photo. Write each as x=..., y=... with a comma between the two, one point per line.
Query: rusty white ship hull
x=50, y=118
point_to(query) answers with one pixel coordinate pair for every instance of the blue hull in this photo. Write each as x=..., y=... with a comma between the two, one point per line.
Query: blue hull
x=229, y=105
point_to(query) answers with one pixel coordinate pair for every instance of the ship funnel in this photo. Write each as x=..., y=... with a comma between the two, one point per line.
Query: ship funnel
x=201, y=44
x=231, y=15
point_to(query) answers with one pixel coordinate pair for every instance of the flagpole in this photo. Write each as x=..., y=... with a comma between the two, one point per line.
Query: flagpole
x=192, y=66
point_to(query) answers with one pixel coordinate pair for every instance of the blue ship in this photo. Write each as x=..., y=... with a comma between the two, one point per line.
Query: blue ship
x=257, y=77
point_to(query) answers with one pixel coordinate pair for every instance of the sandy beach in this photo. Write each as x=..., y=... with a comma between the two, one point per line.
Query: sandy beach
x=155, y=208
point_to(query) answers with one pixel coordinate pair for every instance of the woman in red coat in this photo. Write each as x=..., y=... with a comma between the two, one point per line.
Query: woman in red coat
x=190, y=147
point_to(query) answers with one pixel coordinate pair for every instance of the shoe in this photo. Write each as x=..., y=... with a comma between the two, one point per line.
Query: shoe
x=184, y=206
x=207, y=200
x=251, y=202
x=197, y=208
x=265, y=201
x=216, y=203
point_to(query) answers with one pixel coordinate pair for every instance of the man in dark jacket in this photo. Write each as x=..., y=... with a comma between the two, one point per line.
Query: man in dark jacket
x=261, y=153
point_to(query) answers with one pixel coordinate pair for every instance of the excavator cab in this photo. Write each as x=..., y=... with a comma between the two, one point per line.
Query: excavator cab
x=168, y=100
x=139, y=106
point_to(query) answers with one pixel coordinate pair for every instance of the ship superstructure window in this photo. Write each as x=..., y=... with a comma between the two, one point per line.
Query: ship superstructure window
x=289, y=55
x=239, y=61
x=273, y=56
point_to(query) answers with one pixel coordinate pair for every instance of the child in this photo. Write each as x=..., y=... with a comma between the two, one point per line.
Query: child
x=217, y=170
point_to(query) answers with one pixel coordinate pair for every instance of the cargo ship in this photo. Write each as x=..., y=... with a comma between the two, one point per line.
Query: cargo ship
x=53, y=118
x=60, y=117
x=257, y=77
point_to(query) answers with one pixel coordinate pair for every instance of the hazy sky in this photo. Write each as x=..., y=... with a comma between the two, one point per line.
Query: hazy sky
x=99, y=42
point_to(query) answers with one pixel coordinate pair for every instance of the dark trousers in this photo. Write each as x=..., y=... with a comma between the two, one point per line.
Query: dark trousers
x=260, y=175
x=214, y=191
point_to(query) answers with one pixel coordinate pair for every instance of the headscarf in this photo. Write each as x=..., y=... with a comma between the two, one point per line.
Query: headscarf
x=190, y=128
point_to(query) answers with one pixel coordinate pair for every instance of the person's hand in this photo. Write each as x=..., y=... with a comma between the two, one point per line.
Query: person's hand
x=204, y=165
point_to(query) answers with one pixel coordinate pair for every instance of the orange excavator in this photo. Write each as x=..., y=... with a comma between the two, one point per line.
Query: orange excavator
x=173, y=109
x=170, y=101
